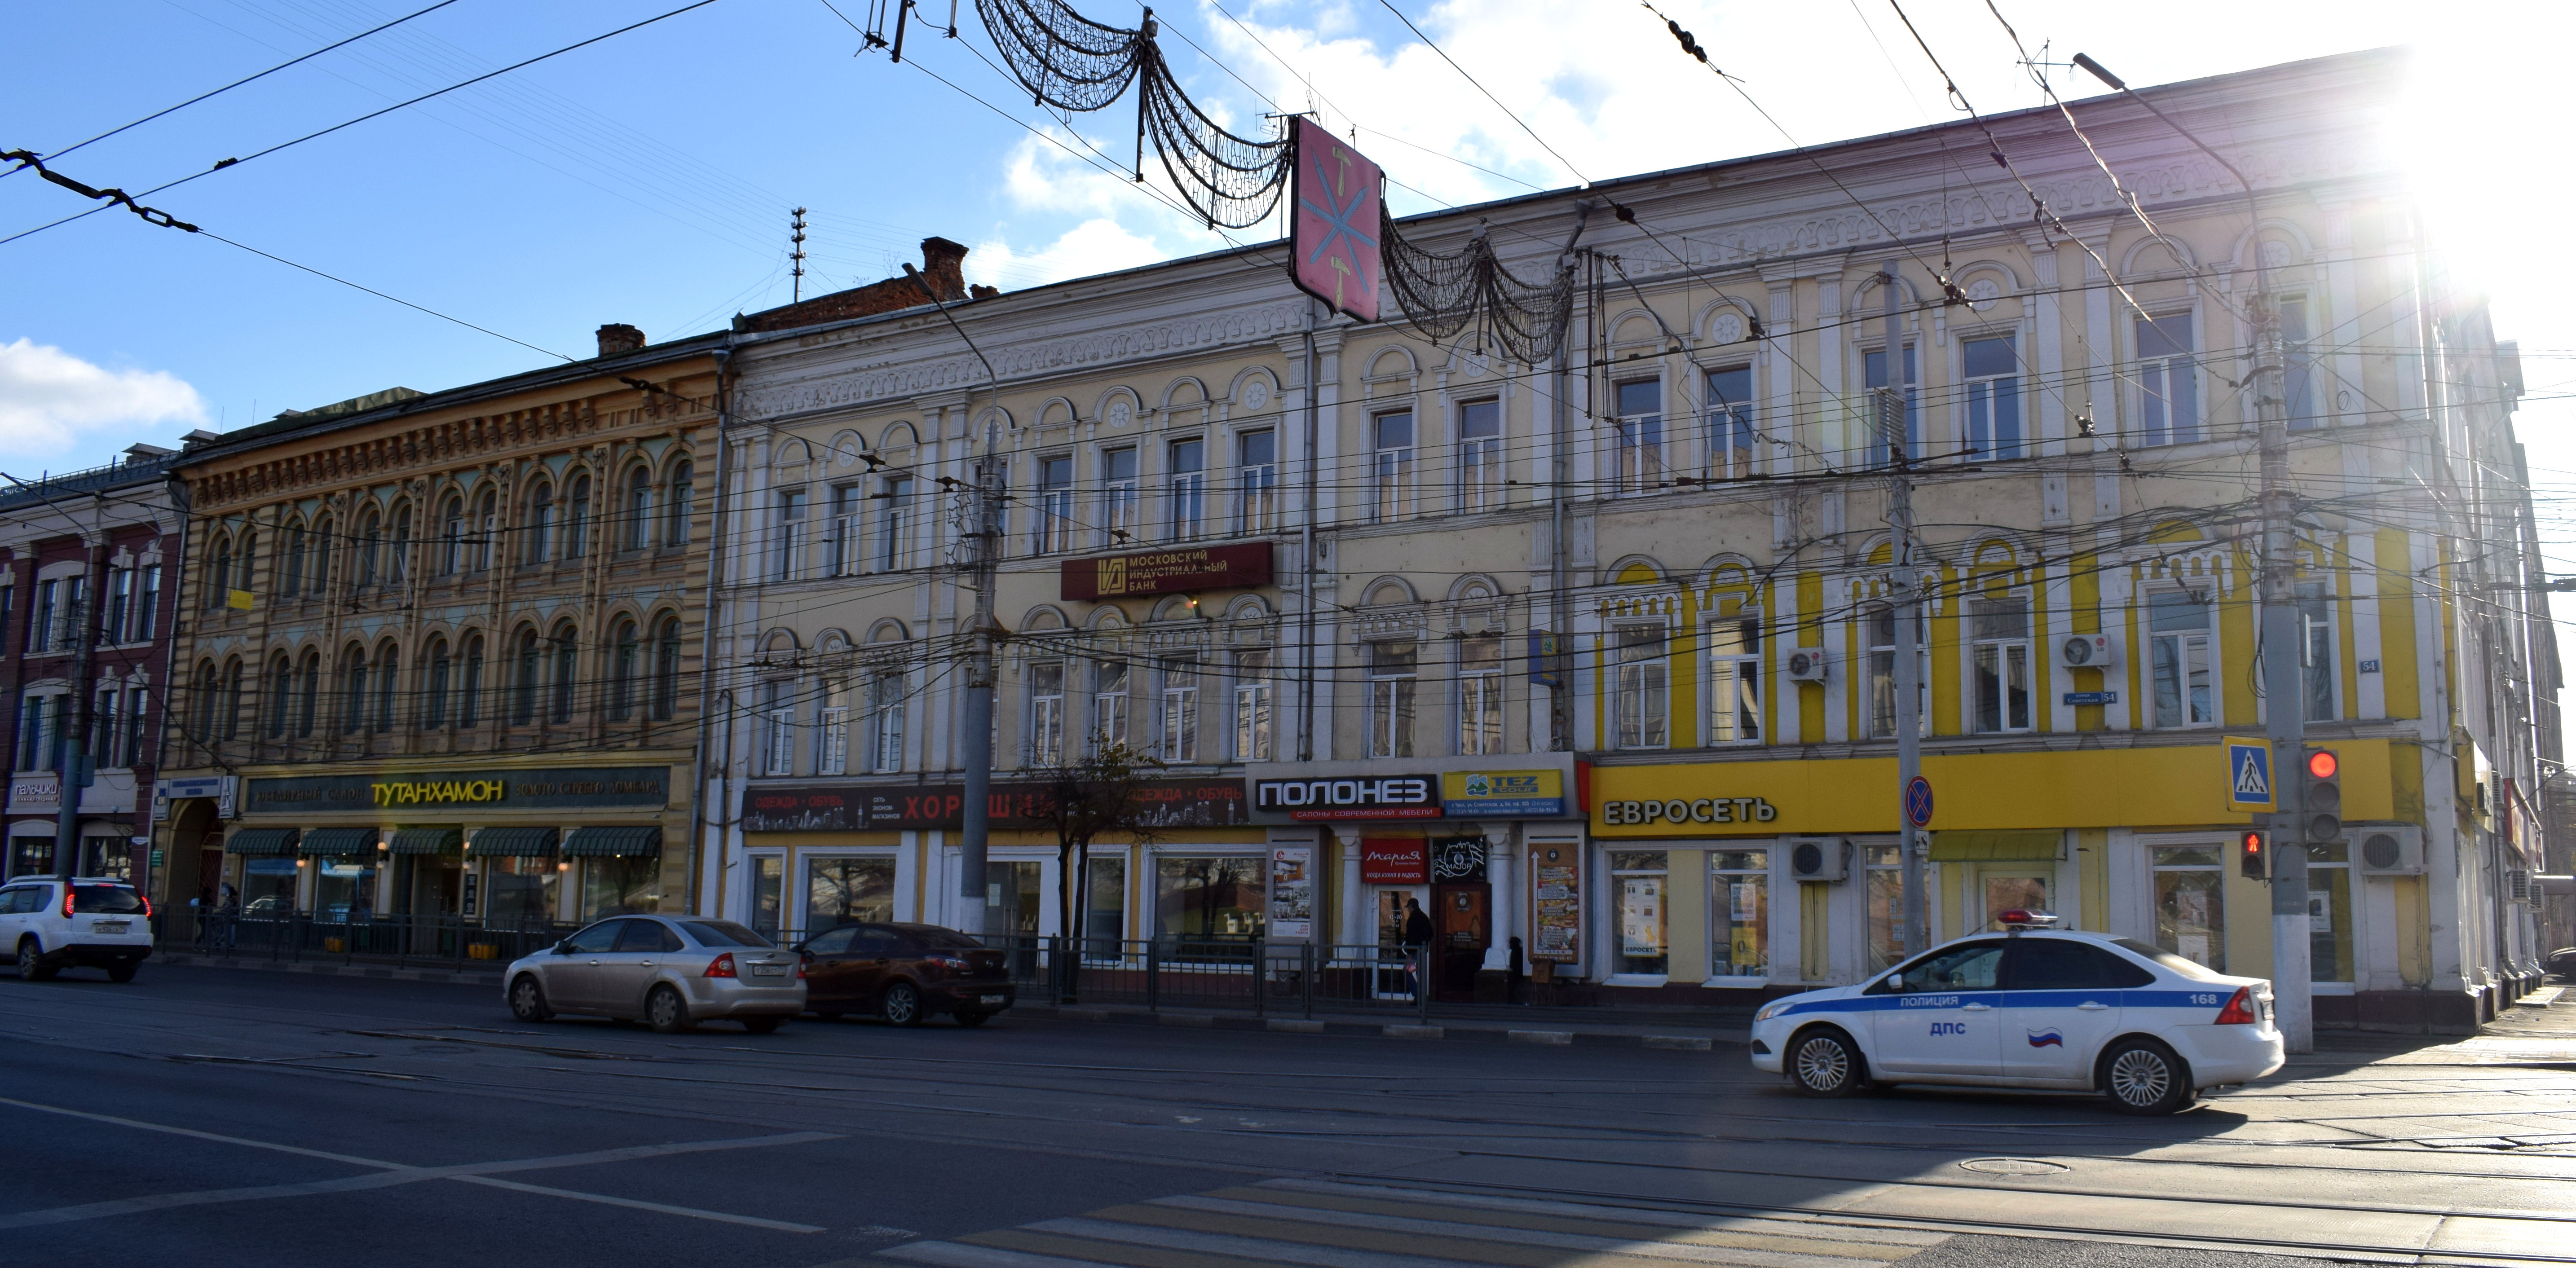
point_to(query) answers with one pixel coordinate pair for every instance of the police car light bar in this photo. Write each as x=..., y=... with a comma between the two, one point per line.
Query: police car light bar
x=2019, y=919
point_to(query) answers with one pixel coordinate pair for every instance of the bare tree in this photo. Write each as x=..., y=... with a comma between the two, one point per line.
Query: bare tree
x=1101, y=793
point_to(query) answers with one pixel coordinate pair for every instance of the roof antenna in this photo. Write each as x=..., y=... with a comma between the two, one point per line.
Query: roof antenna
x=796, y=290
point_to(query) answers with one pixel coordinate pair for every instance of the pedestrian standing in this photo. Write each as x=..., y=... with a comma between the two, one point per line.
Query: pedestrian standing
x=1512, y=984
x=1417, y=944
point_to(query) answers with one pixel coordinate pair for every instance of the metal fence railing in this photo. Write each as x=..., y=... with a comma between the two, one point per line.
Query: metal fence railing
x=1281, y=978
x=401, y=939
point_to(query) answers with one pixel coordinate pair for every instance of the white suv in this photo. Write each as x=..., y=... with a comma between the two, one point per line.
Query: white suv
x=47, y=923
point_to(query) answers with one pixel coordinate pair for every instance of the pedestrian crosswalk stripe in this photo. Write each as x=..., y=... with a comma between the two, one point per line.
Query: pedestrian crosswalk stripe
x=1321, y=1224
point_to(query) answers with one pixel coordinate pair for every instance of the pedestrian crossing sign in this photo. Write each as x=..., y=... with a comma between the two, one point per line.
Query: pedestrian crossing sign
x=2249, y=774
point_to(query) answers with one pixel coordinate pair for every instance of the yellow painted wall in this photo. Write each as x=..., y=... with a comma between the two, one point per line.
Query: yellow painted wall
x=1811, y=633
x=1686, y=914
x=1815, y=917
x=2093, y=862
x=2398, y=665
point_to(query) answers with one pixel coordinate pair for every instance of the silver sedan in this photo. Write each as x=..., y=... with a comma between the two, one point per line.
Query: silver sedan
x=670, y=972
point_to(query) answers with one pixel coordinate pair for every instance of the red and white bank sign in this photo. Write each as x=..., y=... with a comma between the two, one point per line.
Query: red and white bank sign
x=1333, y=247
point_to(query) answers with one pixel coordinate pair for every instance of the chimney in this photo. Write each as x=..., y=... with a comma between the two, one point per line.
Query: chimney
x=943, y=265
x=617, y=337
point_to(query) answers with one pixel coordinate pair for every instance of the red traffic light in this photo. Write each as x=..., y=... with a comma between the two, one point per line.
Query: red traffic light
x=2322, y=764
x=2252, y=842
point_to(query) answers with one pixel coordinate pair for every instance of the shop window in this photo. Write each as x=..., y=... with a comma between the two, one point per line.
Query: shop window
x=1883, y=876
x=1638, y=465
x=1999, y=664
x=1739, y=913
x=1253, y=740
x=2191, y=911
x=620, y=885
x=1480, y=697
x=525, y=889
x=1053, y=530
x=1391, y=465
x=1391, y=689
x=1108, y=704
x=2014, y=893
x=1177, y=730
x=1104, y=907
x=1208, y=897
x=2168, y=382
x=268, y=886
x=2330, y=913
x=343, y=889
x=1877, y=447
x=111, y=857
x=1882, y=676
x=1018, y=885
x=1046, y=713
x=1730, y=424
x=2179, y=659
x=1480, y=456
x=838, y=891
x=1735, y=681
x=1993, y=376
x=1256, y=481
x=1641, y=692
x=1189, y=488
x=1640, y=878
x=768, y=894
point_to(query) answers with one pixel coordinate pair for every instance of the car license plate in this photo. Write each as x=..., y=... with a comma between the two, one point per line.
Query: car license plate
x=769, y=970
x=992, y=999
x=108, y=926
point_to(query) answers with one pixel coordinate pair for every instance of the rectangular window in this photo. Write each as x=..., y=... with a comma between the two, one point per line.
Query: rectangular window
x=147, y=606
x=1108, y=704
x=1104, y=906
x=120, y=604
x=1053, y=529
x=1730, y=423
x=845, y=530
x=839, y=891
x=2168, y=383
x=885, y=723
x=1739, y=908
x=1189, y=489
x=1999, y=632
x=1391, y=469
x=1640, y=878
x=1735, y=681
x=778, y=728
x=103, y=728
x=2317, y=656
x=768, y=894
x=1209, y=897
x=2298, y=367
x=891, y=524
x=1176, y=731
x=40, y=622
x=2191, y=910
x=1639, y=463
x=1480, y=456
x=1118, y=496
x=1640, y=690
x=1391, y=686
x=1994, y=399
x=1046, y=713
x=832, y=729
x=1252, y=694
x=1480, y=697
x=137, y=751
x=1881, y=443
x=2178, y=659
x=1884, y=878
x=1256, y=482
x=787, y=549
x=1882, y=676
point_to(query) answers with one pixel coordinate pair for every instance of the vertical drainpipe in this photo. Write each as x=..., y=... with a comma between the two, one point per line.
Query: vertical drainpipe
x=700, y=810
x=1306, y=609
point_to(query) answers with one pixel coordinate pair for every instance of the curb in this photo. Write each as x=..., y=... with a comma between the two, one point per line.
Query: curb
x=369, y=971
x=1375, y=1030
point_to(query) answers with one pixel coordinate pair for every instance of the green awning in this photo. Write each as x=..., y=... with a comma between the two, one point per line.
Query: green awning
x=338, y=842
x=2017, y=845
x=429, y=841
x=631, y=840
x=512, y=842
x=260, y=841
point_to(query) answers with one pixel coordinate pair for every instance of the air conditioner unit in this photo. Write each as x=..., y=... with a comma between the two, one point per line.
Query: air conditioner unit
x=2395, y=851
x=1817, y=858
x=1807, y=664
x=2088, y=651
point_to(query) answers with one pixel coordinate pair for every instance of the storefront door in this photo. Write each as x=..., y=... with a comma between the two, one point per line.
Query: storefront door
x=1394, y=903
x=1463, y=915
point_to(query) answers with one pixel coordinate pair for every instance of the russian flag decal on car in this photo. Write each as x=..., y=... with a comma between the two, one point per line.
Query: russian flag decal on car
x=2046, y=1039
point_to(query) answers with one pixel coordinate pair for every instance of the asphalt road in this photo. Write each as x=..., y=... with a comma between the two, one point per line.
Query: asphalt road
x=216, y=1117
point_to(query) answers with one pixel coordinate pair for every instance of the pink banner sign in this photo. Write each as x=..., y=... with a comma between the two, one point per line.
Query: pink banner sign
x=1333, y=251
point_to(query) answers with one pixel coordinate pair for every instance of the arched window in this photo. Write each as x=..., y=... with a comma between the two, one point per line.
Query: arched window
x=675, y=532
x=209, y=696
x=353, y=689
x=639, y=508
x=387, y=662
x=487, y=529
x=290, y=581
x=541, y=523
x=309, y=701
x=451, y=537
x=621, y=673
x=370, y=547
x=434, y=686
x=567, y=676
x=577, y=519
x=469, y=696
x=319, y=580
x=281, y=689
x=219, y=570
x=398, y=567
x=666, y=669
x=247, y=560
x=523, y=686
x=230, y=721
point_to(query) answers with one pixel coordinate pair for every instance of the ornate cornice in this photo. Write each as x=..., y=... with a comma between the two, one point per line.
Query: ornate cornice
x=288, y=471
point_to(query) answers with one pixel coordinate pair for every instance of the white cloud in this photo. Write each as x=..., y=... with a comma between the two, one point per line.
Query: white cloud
x=50, y=398
x=1098, y=245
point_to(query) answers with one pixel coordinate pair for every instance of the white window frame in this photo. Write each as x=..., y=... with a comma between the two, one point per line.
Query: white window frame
x=1046, y=713
x=1727, y=420
x=1111, y=687
x=886, y=706
x=1055, y=517
x=832, y=729
x=1875, y=451
x=2183, y=643
x=1391, y=466
x=788, y=551
x=1733, y=665
x=1638, y=440
x=2155, y=380
x=1395, y=703
x=1176, y=732
x=1255, y=718
x=1118, y=495
x=1481, y=730
x=1641, y=688
x=1978, y=396
x=1480, y=458
x=1188, y=521
x=1879, y=727
x=1256, y=482
x=2006, y=653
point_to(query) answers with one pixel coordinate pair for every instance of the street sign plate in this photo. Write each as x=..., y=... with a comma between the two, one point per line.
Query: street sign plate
x=2249, y=774
x=2092, y=697
x=1918, y=801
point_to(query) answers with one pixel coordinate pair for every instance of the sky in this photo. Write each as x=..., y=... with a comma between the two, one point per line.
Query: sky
x=649, y=178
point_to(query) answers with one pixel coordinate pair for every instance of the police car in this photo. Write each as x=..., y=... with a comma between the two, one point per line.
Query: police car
x=2033, y=1007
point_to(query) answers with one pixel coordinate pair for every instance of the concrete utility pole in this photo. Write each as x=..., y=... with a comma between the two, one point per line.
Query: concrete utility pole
x=2283, y=633
x=1915, y=855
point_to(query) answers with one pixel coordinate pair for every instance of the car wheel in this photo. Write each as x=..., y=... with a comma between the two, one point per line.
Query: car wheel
x=2144, y=1077
x=902, y=1005
x=528, y=1001
x=31, y=962
x=761, y=1025
x=1824, y=1062
x=666, y=1012
x=120, y=972
x=973, y=1019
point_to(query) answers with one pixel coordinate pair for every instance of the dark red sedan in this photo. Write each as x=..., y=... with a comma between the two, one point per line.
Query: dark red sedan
x=904, y=973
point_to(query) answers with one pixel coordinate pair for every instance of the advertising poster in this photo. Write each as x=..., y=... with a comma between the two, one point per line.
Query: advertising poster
x=1556, y=904
x=1292, y=891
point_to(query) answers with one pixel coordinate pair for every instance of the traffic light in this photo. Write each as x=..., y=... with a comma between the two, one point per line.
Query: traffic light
x=2254, y=854
x=2321, y=797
